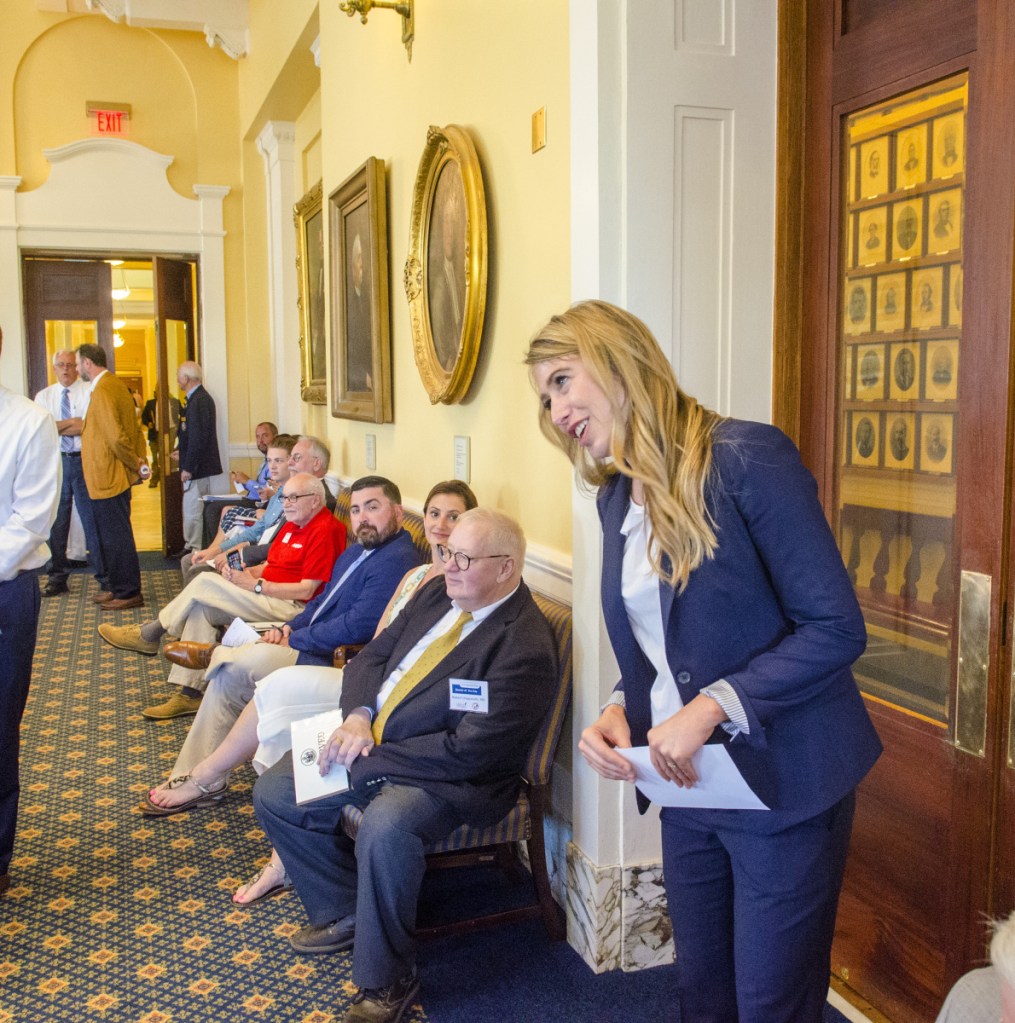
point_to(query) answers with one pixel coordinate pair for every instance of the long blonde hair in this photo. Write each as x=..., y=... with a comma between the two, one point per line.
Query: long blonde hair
x=661, y=436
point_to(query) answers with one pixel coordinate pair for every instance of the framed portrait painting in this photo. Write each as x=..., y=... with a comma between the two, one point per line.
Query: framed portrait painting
x=446, y=270
x=360, y=328
x=308, y=216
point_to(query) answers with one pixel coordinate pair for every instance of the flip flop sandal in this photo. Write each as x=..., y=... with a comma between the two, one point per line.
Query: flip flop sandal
x=208, y=797
x=284, y=885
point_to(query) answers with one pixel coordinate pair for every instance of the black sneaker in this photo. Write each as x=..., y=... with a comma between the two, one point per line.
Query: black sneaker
x=384, y=1004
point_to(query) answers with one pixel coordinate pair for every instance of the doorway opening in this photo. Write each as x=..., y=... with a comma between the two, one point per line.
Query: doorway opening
x=142, y=311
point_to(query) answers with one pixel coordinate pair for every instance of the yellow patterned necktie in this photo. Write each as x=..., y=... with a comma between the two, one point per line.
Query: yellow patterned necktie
x=427, y=661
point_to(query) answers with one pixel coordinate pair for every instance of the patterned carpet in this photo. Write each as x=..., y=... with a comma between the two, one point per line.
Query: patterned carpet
x=116, y=917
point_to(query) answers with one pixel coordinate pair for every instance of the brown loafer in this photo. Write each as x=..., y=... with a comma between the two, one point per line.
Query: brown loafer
x=122, y=603
x=102, y=596
x=188, y=654
x=179, y=705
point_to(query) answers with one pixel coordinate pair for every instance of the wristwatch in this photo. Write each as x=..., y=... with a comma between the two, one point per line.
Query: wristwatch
x=258, y=586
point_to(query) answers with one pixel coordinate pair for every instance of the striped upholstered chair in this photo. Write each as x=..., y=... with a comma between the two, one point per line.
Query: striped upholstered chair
x=497, y=845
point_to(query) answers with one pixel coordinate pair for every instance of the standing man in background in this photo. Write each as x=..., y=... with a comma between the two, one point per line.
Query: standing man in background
x=67, y=401
x=112, y=455
x=29, y=490
x=199, y=451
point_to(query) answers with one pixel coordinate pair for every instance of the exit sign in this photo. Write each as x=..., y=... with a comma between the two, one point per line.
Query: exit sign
x=108, y=118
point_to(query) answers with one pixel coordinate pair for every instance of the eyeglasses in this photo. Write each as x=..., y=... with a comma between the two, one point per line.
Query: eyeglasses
x=291, y=498
x=462, y=561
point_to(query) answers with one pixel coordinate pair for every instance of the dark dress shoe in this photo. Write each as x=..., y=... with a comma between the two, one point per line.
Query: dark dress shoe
x=320, y=939
x=122, y=603
x=384, y=1004
x=189, y=654
x=102, y=596
x=5, y=882
x=52, y=589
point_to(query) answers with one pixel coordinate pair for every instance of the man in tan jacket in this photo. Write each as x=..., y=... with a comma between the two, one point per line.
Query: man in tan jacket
x=112, y=454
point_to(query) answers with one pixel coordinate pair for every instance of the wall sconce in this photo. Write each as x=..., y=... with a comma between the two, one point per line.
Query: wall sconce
x=402, y=7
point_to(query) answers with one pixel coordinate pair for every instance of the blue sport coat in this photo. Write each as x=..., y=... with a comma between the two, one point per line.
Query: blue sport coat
x=353, y=615
x=199, y=446
x=773, y=613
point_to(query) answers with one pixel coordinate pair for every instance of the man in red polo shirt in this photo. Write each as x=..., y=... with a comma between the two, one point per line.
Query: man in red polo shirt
x=299, y=562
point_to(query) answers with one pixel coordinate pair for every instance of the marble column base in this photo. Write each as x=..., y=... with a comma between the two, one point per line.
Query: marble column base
x=616, y=916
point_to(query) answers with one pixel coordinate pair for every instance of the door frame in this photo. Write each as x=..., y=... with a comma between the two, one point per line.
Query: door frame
x=84, y=207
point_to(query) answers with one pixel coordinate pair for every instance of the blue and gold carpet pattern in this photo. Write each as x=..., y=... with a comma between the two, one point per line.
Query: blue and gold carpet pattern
x=116, y=917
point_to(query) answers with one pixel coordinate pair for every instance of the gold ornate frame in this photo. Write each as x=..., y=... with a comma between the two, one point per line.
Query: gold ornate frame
x=360, y=387
x=308, y=216
x=448, y=150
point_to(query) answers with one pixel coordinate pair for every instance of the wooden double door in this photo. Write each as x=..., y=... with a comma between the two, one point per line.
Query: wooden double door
x=70, y=301
x=906, y=419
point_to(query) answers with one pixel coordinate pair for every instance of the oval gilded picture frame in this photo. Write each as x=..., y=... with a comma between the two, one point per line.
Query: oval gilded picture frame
x=445, y=273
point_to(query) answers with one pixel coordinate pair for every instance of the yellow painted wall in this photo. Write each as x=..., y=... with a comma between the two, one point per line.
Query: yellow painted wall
x=185, y=103
x=488, y=67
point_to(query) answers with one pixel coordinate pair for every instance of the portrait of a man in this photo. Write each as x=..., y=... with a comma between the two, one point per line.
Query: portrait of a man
x=905, y=369
x=907, y=228
x=446, y=270
x=899, y=440
x=865, y=437
x=358, y=335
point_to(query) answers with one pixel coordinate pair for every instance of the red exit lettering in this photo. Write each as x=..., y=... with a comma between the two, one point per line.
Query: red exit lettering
x=110, y=122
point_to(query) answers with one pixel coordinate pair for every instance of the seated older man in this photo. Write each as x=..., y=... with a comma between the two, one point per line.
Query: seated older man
x=301, y=557
x=421, y=760
x=346, y=611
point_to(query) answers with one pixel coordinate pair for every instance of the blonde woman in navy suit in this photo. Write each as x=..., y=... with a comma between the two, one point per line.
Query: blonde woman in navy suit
x=733, y=621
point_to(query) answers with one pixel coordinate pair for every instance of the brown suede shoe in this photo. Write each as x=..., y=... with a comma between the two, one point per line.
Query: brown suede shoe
x=123, y=603
x=102, y=596
x=177, y=706
x=188, y=654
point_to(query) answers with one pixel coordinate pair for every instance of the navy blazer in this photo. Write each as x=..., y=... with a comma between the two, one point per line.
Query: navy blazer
x=199, y=446
x=473, y=761
x=773, y=613
x=353, y=615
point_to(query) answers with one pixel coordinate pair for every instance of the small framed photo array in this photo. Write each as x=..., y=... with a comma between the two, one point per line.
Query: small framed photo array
x=874, y=167
x=936, y=437
x=857, y=312
x=942, y=362
x=907, y=229
x=911, y=156
x=872, y=240
x=890, y=315
x=904, y=380
x=865, y=438
x=949, y=134
x=927, y=301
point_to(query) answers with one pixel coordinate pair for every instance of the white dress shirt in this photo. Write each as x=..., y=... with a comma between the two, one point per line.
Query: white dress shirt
x=80, y=395
x=30, y=478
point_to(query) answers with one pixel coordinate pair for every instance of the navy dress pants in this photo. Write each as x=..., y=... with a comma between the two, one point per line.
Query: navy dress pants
x=116, y=538
x=753, y=904
x=19, y=619
x=377, y=877
x=73, y=491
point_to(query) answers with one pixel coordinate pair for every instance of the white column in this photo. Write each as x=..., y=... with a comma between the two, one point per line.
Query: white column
x=277, y=145
x=13, y=364
x=212, y=282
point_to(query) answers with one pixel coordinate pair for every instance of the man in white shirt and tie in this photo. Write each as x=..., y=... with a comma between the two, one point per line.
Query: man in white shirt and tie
x=29, y=487
x=67, y=401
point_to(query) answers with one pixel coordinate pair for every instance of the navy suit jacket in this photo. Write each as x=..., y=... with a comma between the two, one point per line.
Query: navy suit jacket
x=199, y=446
x=773, y=613
x=353, y=615
x=473, y=761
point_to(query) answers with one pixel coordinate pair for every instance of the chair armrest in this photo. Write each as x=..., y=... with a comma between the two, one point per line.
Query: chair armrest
x=345, y=653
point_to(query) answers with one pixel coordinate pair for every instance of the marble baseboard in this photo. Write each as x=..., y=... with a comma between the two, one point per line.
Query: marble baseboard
x=617, y=917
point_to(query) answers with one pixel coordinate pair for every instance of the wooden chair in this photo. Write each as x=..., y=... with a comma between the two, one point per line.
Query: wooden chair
x=497, y=845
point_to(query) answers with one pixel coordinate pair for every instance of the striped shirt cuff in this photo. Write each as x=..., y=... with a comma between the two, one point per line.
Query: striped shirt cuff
x=726, y=696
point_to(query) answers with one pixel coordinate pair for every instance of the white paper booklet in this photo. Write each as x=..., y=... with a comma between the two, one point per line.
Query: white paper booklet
x=720, y=785
x=309, y=736
x=238, y=633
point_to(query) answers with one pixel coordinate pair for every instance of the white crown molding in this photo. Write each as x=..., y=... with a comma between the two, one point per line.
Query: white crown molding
x=118, y=146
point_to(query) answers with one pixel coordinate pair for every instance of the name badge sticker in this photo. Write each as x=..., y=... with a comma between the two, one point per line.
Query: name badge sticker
x=469, y=695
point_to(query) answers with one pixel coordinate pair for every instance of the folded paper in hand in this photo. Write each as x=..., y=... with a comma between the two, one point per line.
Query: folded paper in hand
x=309, y=736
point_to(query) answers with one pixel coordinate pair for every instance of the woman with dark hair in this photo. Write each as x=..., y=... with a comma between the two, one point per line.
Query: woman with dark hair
x=734, y=624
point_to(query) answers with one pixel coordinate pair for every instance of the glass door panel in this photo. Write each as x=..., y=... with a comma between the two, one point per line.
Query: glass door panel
x=900, y=343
